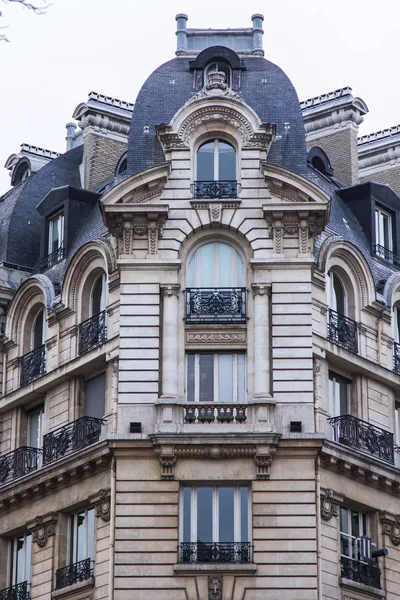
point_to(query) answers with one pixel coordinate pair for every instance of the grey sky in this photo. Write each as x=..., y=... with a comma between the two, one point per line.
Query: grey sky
x=110, y=46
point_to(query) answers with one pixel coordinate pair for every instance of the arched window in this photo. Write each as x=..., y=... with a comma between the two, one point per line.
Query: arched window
x=33, y=363
x=216, y=161
x=220, y=67
x=342, y=330
x=38, y=331
x=98, y=299
x=93, y=330
x=336, y=294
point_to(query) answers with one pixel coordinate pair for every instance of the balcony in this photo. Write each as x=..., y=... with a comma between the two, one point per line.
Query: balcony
x=71, y=438
x=212, y=413
x=33, y=365
x=52, y=259
x=216, y=305
x=386, y=254
x=215, y=190
x=358, y=434
x=18, y=463
x=92, y=333
x=16, y=592
x=396, y=357
x=342, y=331
x=361, y=572
x=203, y=552
x=80, y=571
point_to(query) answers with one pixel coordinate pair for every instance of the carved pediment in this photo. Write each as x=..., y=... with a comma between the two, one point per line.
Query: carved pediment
x=143, y=187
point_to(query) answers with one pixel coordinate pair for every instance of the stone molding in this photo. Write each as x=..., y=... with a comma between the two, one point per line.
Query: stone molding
x=216, y=337
x=102, y=504
x=43, y=527
x=391, y=526
x=261, y=289
x=170, y=289
x=330, y=502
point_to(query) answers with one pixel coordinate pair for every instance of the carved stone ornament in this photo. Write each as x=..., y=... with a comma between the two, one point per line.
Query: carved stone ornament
x=263, y=464
x=167, y=462
x=216, y=337
x=391, y=527
x=102, y=504
x=215, y=587
x=215, y=452
x=127, y=228
x=42, y=528
x=329, y=507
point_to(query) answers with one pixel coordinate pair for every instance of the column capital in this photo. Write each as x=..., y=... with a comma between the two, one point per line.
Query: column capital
x=261, y=289
x=170, y=289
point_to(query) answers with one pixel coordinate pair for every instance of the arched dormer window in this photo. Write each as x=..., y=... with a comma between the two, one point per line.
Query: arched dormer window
x=218, y=66
x=38, y=331
x=216, y=170
x=33, y=363
x=342, y=330
x=93, y=330
x=216, y=291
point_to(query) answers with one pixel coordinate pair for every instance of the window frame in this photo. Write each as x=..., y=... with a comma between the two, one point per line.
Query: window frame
x=73, y=547
x=193, y=270
x=57, y=218
x=215, y=376
x=38, y=409
x=13, y=559
x=380, y=215
x=103, y=302
x=352, y=540
x=216, y=139
x=334, y=402
x=332, y=296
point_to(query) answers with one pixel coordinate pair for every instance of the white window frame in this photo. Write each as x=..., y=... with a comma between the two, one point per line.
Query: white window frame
x=334, y=402
x=354, y=541
x=216, y=142
x=13, y=559
x=103, y=294
x=380, y=216
x=215, y=516
x=195, y=266
x=72, y=537
x=56, y=221
x=215, y=398
x=332, y=298
x=39, y=411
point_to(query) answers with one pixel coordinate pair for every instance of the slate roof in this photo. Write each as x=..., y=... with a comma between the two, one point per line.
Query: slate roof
x=265, y=87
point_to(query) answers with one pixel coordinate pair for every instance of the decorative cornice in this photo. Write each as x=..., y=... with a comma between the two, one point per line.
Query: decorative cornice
x=102, y=503
x=42, y=527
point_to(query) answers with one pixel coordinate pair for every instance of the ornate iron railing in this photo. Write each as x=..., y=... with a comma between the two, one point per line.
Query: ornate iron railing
x=52, y=259
x=355, y=433
x=220, y=190
x=212, y=413
x=342, y=331
x=92, y=333
x=72, y=437
x=16, y=592
x=201, y=552
x=33, y=365
x=216, y=305
x=80, y=571
x=387, y=254
x=360, y=572
x=396, y=357
x=18, y=463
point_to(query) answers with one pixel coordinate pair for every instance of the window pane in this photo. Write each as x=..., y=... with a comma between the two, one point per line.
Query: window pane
x=55, y=232
x=338, y=296
x=226, y=514
x=97, y=297
x=344, y=395
x=225, y=378
x=187, y=508
x=206, y=384
x=244, y=514
x=386, y=231
x=90, y=534
x=204, y=514
x=241, y=391
x=35, y=429
x=80, y=537
x=227, y=162
x=20, y=560
x=38, y=331
x=190, y=378
x=28, y=551
x=226, y=265
x=205, y=266
x=205, y=162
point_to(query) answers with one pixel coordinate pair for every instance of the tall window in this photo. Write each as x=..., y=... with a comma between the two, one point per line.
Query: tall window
x=98, y=300
x=216, y=161
x=216, y=264
x=383, y=233
x=339, y=392
x=56, y=233
x=38, y=330
x=218, y=66
x=81, y=541
x=20, y=560
x=216, y=377
x=35, y=428
x=353, y=526
x=215, y=514
x=336, y=294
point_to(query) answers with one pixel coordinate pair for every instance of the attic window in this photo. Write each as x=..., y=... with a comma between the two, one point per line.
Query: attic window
x=20, y=172
x=122, y=166
x=215, y=67
x=320, y=161
x=55, y=241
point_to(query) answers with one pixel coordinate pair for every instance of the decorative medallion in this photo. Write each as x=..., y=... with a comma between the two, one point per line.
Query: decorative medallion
x=42, y=528
x=102, y=504
x=391, y=527
x=328, y=506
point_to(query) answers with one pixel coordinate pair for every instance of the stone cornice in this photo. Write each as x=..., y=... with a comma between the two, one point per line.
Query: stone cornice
x=332, y=111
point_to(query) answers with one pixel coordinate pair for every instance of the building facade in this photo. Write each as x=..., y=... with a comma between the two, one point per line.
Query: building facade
x=199, y=330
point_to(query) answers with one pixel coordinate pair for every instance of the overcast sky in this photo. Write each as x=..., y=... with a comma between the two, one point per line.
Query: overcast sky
x=110, y=46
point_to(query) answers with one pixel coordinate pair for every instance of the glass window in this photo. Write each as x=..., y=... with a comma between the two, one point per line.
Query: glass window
x=339, y=392
x=353, y=525
x=38, y=330
x=336, y=295
x=216, y=377
x=98, y=295
x=383, y=233
x=35, y=427
x=20, y=555
x=216, y=161
x=82, y=536
x=216, y=264
x=397, y=423
x=56, y=233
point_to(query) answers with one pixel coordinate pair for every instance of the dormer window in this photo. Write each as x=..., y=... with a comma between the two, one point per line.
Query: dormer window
x=55, y=241
x=216, y=170
x=383, y=234
x=220, y=67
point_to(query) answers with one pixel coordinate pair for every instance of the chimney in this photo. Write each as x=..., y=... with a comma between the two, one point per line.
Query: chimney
x=257, y=33
x=181, y=36
x=71, y=129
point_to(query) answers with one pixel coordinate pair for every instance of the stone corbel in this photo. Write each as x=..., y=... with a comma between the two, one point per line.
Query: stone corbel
x=167, y=458
x=102, y=504
x=330, y=502
x=42, y=527
x=263, y=460
x=391, y=526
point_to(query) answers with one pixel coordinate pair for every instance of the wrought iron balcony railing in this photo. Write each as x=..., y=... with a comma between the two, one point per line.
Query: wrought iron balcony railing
x=342, y=331
x=16, y=592
x=33, y=365
x=396, y=357
x=18, y=463
x=387, y=254
x=72, y=437
x=358, y=434
x=52, y=259
x=80, y=571
x=92, y=333
x=211, y=190
x=202, y=552
x=361, y=572
x=216, y=305
x=211, y=413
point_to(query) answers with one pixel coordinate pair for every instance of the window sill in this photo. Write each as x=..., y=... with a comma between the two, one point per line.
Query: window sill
x=71, y=590
x=190, y=568
x=361, y=587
